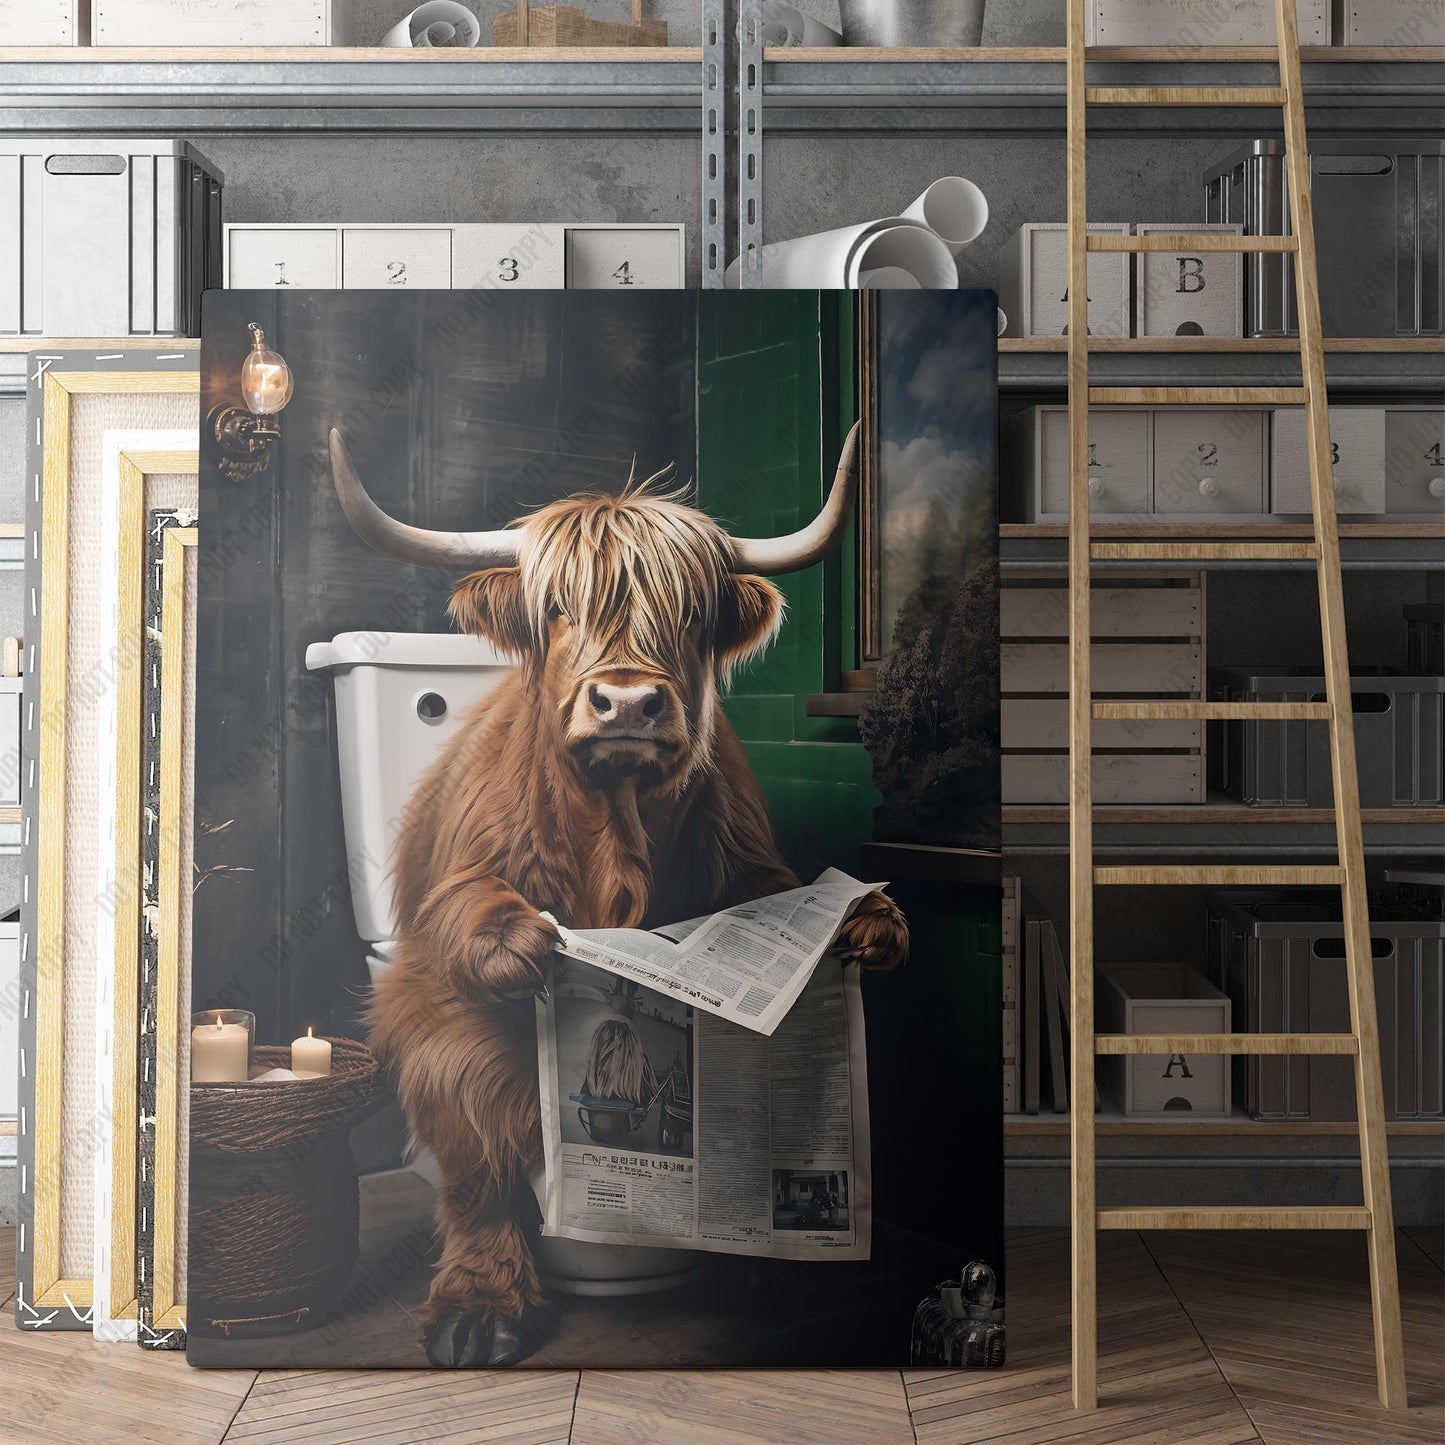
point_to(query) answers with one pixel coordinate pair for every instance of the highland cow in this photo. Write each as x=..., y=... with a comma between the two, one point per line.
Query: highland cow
x=600, y=783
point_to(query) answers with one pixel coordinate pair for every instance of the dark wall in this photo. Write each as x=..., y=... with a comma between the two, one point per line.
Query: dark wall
x=461, y=410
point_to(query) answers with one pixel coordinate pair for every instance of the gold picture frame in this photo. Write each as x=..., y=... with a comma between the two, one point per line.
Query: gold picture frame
x=141, y=460
x=74, y=399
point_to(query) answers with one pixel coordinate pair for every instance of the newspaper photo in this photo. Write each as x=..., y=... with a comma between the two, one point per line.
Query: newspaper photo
x=746, y=964
x=664, y=1125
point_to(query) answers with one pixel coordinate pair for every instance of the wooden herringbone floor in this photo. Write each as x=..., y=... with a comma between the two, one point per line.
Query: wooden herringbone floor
x=1204, y=1340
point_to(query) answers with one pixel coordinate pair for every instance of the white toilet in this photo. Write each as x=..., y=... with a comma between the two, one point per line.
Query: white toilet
x=399, y=697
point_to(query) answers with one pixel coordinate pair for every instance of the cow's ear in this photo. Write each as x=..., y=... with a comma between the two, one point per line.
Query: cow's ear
x=750, y=611
x=489, y=604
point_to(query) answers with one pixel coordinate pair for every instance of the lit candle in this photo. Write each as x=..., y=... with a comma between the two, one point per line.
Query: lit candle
x=310, y=1055
x=220, y=1053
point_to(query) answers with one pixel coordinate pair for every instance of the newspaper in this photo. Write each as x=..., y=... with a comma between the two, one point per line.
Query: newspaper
x=667, y=1126
x=746, y=964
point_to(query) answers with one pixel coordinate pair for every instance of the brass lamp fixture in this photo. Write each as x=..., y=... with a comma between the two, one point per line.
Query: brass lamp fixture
x=247, y=435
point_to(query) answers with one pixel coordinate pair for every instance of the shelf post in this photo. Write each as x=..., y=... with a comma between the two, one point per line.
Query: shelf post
x=714, y=143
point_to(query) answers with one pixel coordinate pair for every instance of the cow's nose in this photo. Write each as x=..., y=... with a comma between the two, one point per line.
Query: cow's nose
x=626, y=707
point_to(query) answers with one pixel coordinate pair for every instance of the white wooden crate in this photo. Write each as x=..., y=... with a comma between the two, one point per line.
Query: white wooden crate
x=1150, y=998
x=1189, y=293
x=1192, y=22
x=1389, y=22
x=1357, y=445
x=492, y=256
x=43, y=22
x=1148, y=641
x=1033, y=287
x=220, y=22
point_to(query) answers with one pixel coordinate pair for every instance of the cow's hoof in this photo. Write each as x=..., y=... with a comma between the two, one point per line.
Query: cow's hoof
x=459, y=1340
x=514, y=1339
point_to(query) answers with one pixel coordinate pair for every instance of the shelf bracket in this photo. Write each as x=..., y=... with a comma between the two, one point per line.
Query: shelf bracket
x=714, y=143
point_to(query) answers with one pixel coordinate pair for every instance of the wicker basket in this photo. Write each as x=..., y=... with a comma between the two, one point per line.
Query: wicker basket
x=274, y=1206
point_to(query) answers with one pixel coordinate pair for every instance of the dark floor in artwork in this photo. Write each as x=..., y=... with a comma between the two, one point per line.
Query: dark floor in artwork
x=714, y=1318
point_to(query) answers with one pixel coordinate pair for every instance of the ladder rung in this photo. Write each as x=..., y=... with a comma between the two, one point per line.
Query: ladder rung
x=1205, y=551
x=1268, y=1044
x=1223, y=1217
x=1223, y=876
x=1157, y=711
x=1185, y=95
x=1187, y=241
x=1198, y=395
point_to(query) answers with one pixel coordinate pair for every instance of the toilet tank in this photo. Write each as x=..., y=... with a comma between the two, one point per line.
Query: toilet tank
x=399, y=697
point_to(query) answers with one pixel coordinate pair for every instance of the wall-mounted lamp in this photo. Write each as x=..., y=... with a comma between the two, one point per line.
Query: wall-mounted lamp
x=246, y=437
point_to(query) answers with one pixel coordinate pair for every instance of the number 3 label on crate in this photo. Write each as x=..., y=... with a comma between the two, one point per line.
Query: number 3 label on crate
x=511, y=257
x=600, y=258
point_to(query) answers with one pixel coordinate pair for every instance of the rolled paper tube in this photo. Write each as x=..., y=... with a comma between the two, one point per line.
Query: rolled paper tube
x=437, y=25
x=786, y=25
x=1002, y=321
x=904, y=246
x=888, y=278
x=834, y=260
x=954, y=209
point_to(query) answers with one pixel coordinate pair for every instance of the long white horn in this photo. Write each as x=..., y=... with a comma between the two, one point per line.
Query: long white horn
x=449, y=551
x=773, y=555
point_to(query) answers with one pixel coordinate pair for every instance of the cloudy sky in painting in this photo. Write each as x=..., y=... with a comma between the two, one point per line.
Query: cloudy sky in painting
x=937, y=427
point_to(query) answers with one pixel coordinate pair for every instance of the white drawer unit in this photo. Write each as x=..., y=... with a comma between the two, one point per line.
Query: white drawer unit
x=273, y=256
x=1389, y=22
x=1191, y=22
x=601, y=257
x=1033, y=287
x=515, y=255
x=220, y=22
x=1209, y=462
x=1189, y=293
x=1415, y=460
x=42, y=22
x=386, y=258
x=1357, y=454
x=1037, y=455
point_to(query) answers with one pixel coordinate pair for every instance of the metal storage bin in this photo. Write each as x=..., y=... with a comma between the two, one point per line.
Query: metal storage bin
x=106, y=237
x=1425, y=637
x=1377, y=210
x=1399, y=732
x=1151, y=998
x=1280, y=958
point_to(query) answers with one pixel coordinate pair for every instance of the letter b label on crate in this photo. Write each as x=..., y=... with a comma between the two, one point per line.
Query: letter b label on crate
x=1189, y=293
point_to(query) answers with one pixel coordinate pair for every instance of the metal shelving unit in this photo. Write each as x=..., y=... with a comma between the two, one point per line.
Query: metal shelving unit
x=196, y=92
x=1021, y=91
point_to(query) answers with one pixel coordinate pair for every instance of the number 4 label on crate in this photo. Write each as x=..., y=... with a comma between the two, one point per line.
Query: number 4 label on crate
x=602, y=258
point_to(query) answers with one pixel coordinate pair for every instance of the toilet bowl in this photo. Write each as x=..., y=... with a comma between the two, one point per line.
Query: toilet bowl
x=399, y=697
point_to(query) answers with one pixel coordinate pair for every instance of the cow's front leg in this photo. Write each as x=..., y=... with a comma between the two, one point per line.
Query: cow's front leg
x=876, y=936
x=485, y=1305
x=487, y=941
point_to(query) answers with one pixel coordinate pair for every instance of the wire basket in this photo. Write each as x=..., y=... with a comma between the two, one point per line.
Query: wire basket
x=275, y=1208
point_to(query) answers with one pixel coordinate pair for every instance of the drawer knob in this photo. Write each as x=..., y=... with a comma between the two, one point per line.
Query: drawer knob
x=1096, y=486
x=1208, y=487
x=1437, y=486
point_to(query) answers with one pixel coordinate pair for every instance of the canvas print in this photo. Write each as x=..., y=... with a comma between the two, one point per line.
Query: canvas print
x=577, y=675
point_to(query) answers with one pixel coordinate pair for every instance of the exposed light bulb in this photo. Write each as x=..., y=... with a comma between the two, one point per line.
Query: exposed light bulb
x=266, y=381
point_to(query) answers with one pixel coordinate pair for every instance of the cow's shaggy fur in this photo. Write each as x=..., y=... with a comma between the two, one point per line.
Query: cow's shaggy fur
x=528, y=811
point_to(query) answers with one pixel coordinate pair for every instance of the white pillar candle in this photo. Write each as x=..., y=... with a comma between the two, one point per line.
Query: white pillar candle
x=219, y=1053
x=310, y=1055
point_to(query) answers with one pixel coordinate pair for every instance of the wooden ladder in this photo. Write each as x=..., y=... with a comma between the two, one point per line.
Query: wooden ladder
x=1376, y=1217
